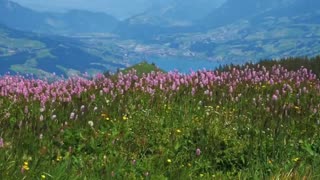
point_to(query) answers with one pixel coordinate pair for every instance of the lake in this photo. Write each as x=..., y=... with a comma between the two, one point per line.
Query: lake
x=183, y=64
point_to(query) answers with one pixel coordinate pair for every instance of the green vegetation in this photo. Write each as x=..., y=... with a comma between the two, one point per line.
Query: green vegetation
x=290, y=63
x=19, y=43
x=241, y=124
x=142, y=68
x=24, y=69
x=24, y=52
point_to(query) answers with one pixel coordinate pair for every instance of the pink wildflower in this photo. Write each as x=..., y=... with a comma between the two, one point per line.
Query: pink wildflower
x=198, y=152
x=274, y=97
x=1, y=143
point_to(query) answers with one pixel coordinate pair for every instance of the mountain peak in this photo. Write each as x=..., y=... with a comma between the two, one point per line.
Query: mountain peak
x=9, y=5
x=4, y=2
x=19, y=17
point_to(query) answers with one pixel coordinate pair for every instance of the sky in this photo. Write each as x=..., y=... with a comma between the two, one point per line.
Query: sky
x=119, y=8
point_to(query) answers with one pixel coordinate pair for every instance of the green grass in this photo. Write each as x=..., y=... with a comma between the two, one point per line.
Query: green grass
x=136, y=136
x=142, y=68
x=20, y=43
x=25, y=69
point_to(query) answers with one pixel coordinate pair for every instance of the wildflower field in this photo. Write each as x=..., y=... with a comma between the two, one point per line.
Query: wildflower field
x=242, y=123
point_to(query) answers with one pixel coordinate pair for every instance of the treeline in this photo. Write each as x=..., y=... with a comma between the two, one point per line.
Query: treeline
x=291, y=63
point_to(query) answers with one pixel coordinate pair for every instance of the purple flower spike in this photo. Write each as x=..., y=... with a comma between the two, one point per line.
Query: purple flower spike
x=274, y=97
x=1, y=143
x=198, y=152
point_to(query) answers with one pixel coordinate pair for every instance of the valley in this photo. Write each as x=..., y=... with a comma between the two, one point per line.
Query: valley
x=78, y=41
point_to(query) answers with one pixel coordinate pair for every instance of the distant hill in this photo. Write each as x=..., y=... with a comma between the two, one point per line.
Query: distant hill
x=204, y=16
x=234, y=10
x=250, y=30
x=142, y=68
x=76, y=21
x=42, y=55
x=166, y=17
x=217, y=31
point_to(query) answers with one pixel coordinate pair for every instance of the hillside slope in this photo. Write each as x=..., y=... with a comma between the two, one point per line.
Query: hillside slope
x=31, y=53
x=16, y=16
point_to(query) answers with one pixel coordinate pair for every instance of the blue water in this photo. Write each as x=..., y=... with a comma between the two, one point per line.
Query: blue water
x=183, y=64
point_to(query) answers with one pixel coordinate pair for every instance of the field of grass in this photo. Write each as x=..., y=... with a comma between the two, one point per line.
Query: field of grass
x=248, y=123
x=20, y=43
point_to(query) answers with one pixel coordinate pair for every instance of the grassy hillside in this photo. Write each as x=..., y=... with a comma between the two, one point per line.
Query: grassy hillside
x=291, y=63
x=142, y=68
x=41, y=55
x=241, y=124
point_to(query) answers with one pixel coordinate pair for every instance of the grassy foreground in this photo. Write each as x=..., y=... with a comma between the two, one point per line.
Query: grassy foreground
x=250, y=123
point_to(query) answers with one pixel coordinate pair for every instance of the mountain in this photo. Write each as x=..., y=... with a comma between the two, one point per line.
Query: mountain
x=121, y=9
x=219, y=31
x=182, y=12
x=81, y=21
x=234, y=10
x=257, y=29
x=15, y=16
x=166, y=17
x=74, y=21
x=177, y=16
x=41, y=55
x=300, y=9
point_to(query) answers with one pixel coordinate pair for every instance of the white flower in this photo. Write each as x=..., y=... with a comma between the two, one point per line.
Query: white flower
x=90, y=123
x=41, y=117
x=82, y=108
x=72, y=115
x=42, y=109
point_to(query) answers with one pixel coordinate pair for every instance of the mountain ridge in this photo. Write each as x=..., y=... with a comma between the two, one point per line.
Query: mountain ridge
x=234, y=10
x=42, y=55
x=236, y=31
x=75, y=21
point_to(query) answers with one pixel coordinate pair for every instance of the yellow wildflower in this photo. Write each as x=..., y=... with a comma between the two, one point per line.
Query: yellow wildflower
x=104, y=115
x=169, y=160
x=59, y=158
x=295, y=159
x=179, y=131
x=125, y=118
x=201, y=175
x=26, y=166
x=43, y=176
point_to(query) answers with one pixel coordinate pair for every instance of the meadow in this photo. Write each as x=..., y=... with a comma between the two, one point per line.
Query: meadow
x=242, y=123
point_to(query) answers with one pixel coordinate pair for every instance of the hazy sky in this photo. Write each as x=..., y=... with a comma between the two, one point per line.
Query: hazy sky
x=119, y=8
